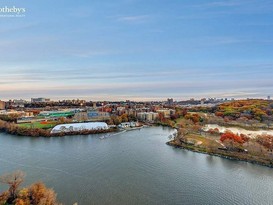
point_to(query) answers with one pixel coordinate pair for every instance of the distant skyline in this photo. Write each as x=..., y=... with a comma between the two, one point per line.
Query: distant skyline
x=137, y=50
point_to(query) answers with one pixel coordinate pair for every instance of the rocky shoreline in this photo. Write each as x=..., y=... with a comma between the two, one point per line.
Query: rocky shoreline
x=219, y=154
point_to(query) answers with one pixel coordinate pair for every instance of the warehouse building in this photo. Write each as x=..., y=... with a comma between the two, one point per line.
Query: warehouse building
x=76, y=127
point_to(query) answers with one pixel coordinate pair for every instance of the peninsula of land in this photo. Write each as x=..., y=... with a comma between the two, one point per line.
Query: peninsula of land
x=236, y=129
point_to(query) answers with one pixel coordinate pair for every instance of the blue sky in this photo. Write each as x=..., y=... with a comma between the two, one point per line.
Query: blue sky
x=137, y=49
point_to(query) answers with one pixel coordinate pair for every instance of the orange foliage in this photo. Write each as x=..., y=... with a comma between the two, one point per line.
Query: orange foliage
x=193, y=117
x=40, y=194
x=251, y=109
x=232, y=136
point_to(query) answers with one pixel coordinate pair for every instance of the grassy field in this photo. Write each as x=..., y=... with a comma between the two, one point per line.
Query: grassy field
x=205, y=140
x=38, y=125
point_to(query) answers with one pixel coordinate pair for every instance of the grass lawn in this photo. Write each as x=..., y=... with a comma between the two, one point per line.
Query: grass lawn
x=38, y=125
x=205, y=140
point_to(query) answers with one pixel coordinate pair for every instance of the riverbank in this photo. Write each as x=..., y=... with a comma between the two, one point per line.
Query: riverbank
x=14, y=129
x=40, y=133
x=210, y=149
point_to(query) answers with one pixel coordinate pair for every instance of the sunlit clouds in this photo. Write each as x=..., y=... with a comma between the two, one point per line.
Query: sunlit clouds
x=138, y=50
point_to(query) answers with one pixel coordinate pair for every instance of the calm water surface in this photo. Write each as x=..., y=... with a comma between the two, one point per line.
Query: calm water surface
x=134, y=167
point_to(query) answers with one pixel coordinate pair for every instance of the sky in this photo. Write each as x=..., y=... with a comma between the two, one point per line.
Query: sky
x=137, y=49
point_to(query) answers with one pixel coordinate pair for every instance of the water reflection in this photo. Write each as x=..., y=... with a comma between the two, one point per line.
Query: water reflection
x=134, y=167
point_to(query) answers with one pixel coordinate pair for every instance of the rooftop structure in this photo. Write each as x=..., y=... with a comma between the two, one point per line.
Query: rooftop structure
x=52, y=114
x=76, y=127
x=40, y=100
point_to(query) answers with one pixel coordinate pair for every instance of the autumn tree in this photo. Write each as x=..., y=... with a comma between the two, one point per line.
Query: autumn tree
x=182, y=133
x=124, y=117
x=13, y=180
x=116, y=120
x=36, y=194
x=4, y=197
x=231, y=136
x=40, y=194
x=195, y=118
x=233, y=141
x=266, y=141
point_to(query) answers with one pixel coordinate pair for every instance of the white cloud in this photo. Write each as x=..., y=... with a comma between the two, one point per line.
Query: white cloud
x=134, y=19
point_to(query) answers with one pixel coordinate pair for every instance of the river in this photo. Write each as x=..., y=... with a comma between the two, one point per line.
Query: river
x=134, y=167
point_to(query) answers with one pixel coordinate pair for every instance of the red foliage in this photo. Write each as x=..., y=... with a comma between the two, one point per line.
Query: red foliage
x=214, y=131
x=219, y=114
x=232, y=136
x=184, y=112
x=244, y=137
x=193, y=117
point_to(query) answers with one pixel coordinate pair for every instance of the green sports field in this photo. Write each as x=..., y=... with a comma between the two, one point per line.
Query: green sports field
x=38, y=125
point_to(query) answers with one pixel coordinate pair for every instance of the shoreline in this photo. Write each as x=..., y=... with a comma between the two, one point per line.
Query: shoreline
x=14, y=129
x=199, y=150
x=37, y=132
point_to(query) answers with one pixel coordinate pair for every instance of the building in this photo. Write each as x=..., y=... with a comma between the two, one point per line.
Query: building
x=98, y=116
x=166, y=112
x=128, y=124
x=80, y=117
x=40, y=100
x=170, y=101
x=13, y=113
x=77, y=127
x=147, y=116
x=56, y=114
x=121, y=108
x=2, y=105
x=19, y=103
x=268, y=97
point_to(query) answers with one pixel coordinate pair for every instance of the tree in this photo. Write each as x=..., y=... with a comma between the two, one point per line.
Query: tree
x=124, y=118
x=4, y=197
x=266, y=141
x=116, y=120
x=233, y=141
x=182, y=133
x=231, y=136
x=13, y=180
x=36, y=194
x=161, y=117
x=40, y=194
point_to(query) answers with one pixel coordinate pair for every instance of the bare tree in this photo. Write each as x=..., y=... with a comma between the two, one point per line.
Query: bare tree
x=13, y=180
